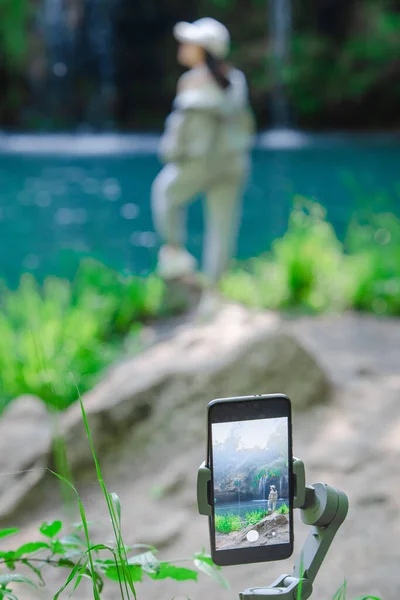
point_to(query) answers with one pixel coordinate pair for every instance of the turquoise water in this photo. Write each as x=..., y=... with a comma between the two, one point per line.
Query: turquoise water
x=245, y=507
x=65, y=200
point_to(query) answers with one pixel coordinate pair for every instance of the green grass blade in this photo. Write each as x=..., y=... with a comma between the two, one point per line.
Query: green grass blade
x=114, y=509
x=5, y=580
x=70, y=578
x=341, y=593
x=85, y=528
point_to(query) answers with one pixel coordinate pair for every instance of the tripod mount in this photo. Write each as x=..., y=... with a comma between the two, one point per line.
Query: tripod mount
x=322, y=507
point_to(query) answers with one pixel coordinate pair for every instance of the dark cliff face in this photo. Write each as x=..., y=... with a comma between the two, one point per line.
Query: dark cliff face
x=249, y=475
x=112, y=63
x=227, y=491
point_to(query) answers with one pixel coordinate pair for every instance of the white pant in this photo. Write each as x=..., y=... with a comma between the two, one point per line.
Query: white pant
x=177, y=185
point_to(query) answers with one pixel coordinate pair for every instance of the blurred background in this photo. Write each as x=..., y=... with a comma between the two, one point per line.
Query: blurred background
x=324, y=80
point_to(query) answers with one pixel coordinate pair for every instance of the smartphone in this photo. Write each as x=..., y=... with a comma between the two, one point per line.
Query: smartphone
x=251, y=490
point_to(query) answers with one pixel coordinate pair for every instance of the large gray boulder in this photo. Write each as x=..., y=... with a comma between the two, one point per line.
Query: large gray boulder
x=25, y=443
x=239, y=353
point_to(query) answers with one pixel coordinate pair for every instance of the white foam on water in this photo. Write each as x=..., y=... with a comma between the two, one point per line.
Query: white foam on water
x=282, y=139
x=114, y=144
x=102, y=144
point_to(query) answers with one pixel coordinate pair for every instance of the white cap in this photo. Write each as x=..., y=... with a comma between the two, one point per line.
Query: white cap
x=208, y=33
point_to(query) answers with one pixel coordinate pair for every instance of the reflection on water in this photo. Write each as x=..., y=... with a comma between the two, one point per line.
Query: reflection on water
x=63, y=197
x=242, y=508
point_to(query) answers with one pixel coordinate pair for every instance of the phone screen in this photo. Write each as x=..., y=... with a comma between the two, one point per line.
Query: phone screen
x=251, y=467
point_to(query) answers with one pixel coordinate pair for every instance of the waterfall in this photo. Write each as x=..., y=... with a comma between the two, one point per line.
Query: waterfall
x=57, y=40
x=280, y=30
x=262, y=485
x=79, y=40
x=100, y=36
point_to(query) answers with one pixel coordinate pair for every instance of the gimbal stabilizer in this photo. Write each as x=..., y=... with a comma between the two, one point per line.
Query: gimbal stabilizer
x=322, y=507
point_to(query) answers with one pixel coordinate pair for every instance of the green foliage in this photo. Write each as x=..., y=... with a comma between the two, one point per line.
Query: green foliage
x=283, y=510
x=359, y=68
x=309, y=269
x=298, y=271
x=228, y=523
x=57, y=336
x=254, y=516
x=13, y=24
x=51, y=529
x=373, y=243
x=127, y=565
x=326, y=73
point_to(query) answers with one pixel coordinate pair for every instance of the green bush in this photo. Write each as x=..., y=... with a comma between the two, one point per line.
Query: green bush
x=228, y=523
x=283, y=510
x=324, y=75
x=254, y=516
x=373, y=244
x=58, y=336
x=310, y=269
x=305, y=267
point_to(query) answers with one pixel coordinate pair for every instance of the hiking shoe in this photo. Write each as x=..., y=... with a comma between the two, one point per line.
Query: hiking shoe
x=174, y=263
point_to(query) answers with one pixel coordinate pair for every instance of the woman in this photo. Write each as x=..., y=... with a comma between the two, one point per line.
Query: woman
x=205, y=147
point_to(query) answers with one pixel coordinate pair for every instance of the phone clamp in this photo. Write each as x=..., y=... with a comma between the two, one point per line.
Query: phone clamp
x=322, y=507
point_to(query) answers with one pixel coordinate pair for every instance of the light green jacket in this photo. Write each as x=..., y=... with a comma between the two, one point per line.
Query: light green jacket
x=207, y=121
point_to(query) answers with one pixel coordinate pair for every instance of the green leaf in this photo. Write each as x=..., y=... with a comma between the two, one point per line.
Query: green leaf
x=167, y=570
x=84, y=572
x=15, y=578
x=8, y=555
x=51, y=529
x=147, y=560
x=70, y=578
x=66, y=562
x=88, y=575
x=79, y=577
x=207, y=559
x=5, y=532
x=117, y=572
x=8, y=594
x=30, y=548
x=143, y=546
x=69, y=545
x=57, y=547
x=36, y=570
x=96, y=594
x=117, y=505
x=211, y=570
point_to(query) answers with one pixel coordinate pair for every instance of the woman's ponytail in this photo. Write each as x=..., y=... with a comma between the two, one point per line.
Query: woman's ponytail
x=217, y=68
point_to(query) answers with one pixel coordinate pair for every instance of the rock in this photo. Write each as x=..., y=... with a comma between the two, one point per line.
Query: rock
x=25, y=443
x=239, y=353
x=167, y=532
x=273, y=529
x=351, y=443
x=266, y=525
x=181, y=295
